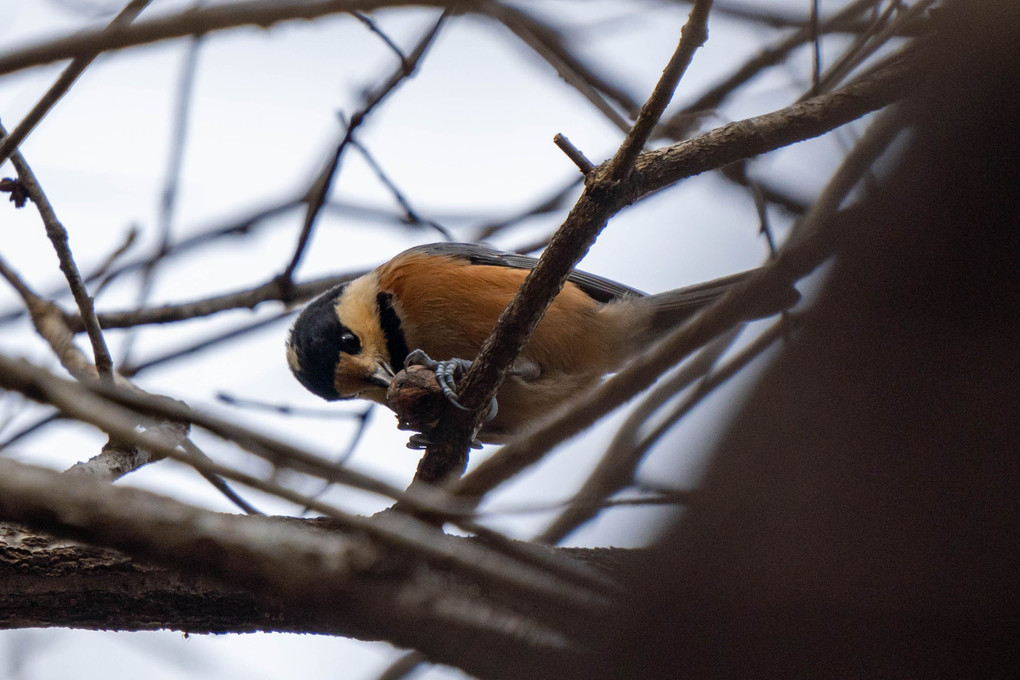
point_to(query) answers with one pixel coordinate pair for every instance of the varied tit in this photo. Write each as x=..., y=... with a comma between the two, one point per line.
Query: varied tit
x=445, y=298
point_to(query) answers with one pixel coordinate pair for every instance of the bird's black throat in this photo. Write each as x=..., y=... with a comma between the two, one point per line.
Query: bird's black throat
x=396, y=344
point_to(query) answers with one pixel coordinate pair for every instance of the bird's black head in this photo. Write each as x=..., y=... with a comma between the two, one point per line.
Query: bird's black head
x=316, y=342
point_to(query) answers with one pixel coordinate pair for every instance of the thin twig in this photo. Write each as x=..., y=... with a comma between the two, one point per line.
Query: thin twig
x=573, y=153
x=374, y=27
x=770, y=193
x=816, y=46
x=761, y=207
x=29, y=429
x=287, y=409
x=132, y=370
x=100, y=272
x=249, y=298
x=554, y=203
x=411, y=214
x=218, y=482
x=406, y=664
x=861, y=51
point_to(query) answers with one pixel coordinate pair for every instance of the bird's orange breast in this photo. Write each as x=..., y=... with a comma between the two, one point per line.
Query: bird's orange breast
x=449, y=306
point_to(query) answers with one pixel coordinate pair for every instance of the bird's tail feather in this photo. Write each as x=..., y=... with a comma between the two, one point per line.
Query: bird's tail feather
x=673, y=307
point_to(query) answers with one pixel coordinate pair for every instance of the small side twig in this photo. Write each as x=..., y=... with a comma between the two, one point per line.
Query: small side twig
x=371, y=25
x=814, y=29
x=574, y=154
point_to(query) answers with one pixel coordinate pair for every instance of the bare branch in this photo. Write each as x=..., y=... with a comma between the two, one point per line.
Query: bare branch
x=59, y=238
x=249, y=298
x=329, y=577
x=171, y=181
x=259, y=13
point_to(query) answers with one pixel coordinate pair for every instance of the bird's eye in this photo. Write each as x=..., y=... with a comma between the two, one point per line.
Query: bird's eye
x=349, y=343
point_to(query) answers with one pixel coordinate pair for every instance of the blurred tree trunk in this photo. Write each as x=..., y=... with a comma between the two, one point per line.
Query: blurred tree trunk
x=861, y=518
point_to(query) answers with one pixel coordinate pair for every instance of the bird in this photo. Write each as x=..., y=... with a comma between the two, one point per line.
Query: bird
x=442, y=300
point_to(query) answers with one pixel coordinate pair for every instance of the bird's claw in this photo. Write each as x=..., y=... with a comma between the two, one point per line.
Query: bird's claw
x=447, y=371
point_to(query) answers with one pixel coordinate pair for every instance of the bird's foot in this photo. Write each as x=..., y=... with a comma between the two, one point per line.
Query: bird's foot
x=447, y=371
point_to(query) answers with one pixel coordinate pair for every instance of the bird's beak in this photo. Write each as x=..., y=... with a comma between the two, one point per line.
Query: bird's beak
x=382, y=376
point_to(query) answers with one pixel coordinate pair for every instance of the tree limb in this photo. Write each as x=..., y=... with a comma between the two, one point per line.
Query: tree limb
x=206, y=572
